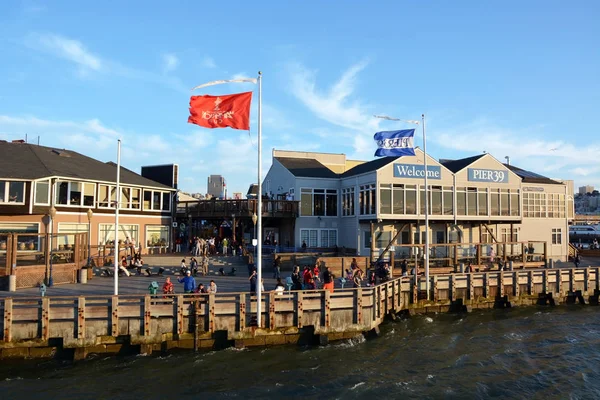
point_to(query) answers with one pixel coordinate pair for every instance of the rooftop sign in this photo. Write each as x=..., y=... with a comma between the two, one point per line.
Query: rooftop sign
x=417, y=171
x=487, y=175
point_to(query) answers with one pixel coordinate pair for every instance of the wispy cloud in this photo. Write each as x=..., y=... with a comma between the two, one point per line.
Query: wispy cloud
x=68, y=49
x=170, y=62
x=87, y=62
x=208, y=62
x=336, y=105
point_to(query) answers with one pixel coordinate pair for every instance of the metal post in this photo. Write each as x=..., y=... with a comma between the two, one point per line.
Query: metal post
x=259, y=213
x=426, y=211
x=118, y=195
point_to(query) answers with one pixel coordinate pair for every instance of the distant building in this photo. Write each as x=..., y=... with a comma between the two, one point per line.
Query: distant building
x=586, y=189
x=252, y=191
x=216, y=186
x=237, y=195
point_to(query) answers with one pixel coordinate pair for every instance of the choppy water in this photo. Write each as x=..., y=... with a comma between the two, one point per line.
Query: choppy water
x=518, y=353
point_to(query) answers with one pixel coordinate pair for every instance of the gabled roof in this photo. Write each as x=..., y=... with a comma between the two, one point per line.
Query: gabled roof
x=29, y=161
x=370, y=166
x=531, y=177
x=457, y=165
x=306, y=168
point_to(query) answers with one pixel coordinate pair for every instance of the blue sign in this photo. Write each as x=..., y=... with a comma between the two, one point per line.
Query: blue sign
x=487, y=175
x=417, y=171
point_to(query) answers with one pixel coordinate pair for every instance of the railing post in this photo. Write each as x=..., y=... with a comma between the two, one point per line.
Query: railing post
x=8, y=316
x=242, y=312
x=515, y=276
x=147, y=315
x=299, y=308
x=523, y=254
x=179, y=317
x=80, y=318
x=211, y=312
x=271, y=299
x=45, y=320
x=327, y=301
x=359, y=305
x=114, y=304
x=471, y=287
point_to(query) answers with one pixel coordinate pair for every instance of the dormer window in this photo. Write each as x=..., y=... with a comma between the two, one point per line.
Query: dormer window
x=12, y=192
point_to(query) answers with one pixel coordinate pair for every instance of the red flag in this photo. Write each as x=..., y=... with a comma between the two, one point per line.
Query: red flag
x=231, y=110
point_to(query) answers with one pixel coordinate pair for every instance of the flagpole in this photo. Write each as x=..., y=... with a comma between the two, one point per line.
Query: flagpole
x=118, y=192
x=426, y=210
x=259, y=211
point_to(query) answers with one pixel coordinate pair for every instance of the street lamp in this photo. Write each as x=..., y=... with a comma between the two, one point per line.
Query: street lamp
x=90, y=213
x=52, y=214
x=254, y=241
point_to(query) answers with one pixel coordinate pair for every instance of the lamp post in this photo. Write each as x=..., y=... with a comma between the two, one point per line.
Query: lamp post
x=254, y=219
x=52, y=214
x=90, y=213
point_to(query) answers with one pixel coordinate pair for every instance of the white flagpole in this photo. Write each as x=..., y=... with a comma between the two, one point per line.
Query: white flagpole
x=116, y=248
x=426, y=211
x=259, y=211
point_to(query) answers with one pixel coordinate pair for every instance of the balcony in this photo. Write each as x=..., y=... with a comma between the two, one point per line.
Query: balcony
x=206, y=209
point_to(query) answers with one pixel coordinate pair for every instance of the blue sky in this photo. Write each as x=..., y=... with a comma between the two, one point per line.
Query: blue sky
x=512, y=78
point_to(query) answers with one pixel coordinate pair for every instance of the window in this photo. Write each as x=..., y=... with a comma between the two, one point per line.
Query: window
x=505, y=235
x=471, y=201
x=534, y=205
x=12, y=192
x=435, y=207
x=77, y=194
x=157, y=235
x=367, y=199
x=319, y=237
x=461, y=201
x=42, y=192
x=64, y=229
x=156, y=200
x=486, y=236
x=556, y=235
x=348, y=201
x=385, y=199
x=411, y=199
x=318, y=202
x=107, y=233
x=556, y=205
x=448, y=192
x=398, y=199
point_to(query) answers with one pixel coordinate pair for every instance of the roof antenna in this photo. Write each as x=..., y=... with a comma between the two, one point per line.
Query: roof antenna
x=484, y=152
x=507, y=160
x=38, y=140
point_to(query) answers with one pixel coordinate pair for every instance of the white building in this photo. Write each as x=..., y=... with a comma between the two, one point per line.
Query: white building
x=472, y=200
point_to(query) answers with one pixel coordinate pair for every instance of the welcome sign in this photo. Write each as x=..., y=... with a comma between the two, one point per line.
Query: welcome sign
x=417, y=171
x=487, y=175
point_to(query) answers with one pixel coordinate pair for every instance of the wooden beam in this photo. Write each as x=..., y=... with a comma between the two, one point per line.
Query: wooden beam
x=114, y=305
x=492, y=234
x=391, y=241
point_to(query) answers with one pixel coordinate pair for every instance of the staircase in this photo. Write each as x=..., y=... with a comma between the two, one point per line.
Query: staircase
x=572, y=251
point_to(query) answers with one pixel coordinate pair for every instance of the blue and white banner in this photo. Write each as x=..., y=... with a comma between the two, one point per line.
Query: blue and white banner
x=395, y=143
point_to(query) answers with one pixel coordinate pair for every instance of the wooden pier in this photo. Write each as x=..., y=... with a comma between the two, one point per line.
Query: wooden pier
x=78, y=326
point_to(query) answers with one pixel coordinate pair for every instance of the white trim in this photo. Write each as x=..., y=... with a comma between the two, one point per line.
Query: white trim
x=112, y=215
x=80, y=205
x=34, y=191
x=166, y=188
x=152, y=201
x=337, y=236
x=22, y=223
x=32, y=185
x=6, y=191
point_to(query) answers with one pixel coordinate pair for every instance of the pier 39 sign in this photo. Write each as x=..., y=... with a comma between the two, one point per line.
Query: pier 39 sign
x=417, y=171
x=487, y=175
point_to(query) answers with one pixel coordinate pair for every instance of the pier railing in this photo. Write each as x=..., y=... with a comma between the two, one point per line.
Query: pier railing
x=159, y=322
